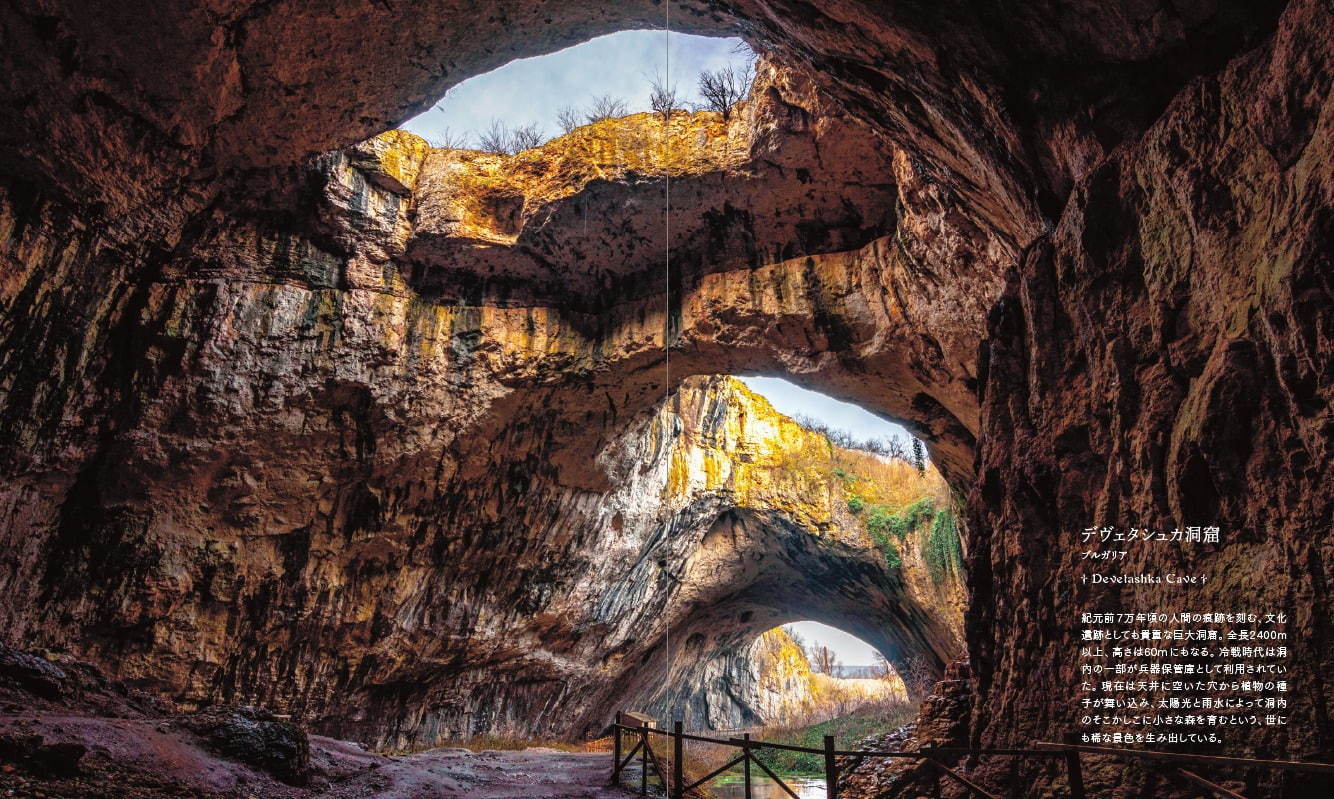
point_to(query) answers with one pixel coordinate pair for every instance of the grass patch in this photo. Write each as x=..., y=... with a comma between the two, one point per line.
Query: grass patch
x=847, y=730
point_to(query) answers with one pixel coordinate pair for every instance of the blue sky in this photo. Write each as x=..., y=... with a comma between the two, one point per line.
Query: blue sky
x=793, y=400
x=532, y=90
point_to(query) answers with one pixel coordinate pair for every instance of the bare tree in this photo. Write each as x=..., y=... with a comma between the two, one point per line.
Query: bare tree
x=724, y=87
x=662, y=98
x=496, y=138
x=569, y=118
x=885, y=447
x=448, y=139
x=525, y=137
x=503, y=139
x=825, y=661
x=881, y=669
x=605, y=107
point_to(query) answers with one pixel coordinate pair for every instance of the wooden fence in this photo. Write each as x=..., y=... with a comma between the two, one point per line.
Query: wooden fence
x=642, y=732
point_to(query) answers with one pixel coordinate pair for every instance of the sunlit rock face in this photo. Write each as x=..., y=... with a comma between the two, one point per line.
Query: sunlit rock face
x=253, y=445
x=762, y=535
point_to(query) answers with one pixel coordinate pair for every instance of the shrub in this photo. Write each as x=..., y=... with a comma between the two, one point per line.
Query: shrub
x=887, y=447
x=881, y=521
x=569, y=118
x=525, y=137
x=878, y=525
x=855, y=505
x=663, y=98
x=914, y=515
x=448, y=139
x=892, y=558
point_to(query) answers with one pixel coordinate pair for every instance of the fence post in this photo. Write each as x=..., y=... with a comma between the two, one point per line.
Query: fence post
x=678, y=762
x=746, y=751
x=1073, y=771
x=746, y=762
x=616, y=751
x=643, y=759
x=830, y=769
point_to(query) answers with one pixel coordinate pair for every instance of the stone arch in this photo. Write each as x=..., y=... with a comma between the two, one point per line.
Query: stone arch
x=752, y=570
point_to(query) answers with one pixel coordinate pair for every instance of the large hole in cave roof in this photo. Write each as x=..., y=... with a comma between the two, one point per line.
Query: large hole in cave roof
x=533, y=91
x=819, y=411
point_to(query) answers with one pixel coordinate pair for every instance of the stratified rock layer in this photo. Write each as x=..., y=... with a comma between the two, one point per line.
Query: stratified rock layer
x=246, y=400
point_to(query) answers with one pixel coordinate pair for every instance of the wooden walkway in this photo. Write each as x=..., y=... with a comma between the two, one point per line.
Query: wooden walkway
x=670, y=771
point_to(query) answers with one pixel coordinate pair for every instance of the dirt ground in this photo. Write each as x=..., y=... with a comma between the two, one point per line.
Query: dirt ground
x=67, y=732
x=145, y=759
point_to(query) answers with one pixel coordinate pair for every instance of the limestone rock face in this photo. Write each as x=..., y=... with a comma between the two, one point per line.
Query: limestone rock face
x=322, y=422
x=424, y=505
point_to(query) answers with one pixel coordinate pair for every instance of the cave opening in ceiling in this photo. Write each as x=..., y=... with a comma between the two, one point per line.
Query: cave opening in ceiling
x=533, y=100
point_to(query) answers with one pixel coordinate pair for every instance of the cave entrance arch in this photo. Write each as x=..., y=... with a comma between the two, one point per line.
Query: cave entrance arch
x=743, y=572
x=782, y=679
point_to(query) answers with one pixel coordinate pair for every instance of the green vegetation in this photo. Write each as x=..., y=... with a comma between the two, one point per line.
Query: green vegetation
x=942, y=551
x=878, y=525
x=847, y=730
x=887, y=527
x=937, y=528
x=892, y=493
x=881, y=521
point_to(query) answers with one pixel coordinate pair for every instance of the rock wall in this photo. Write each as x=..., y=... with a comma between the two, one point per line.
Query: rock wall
x=313, y=477
x=1181, y=307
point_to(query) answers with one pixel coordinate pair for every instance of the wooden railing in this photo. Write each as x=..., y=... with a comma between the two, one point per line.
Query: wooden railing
x=641, y=728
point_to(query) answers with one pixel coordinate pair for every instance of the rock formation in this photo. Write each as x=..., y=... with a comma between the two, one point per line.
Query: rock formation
x=348, y=522
x=322, y=423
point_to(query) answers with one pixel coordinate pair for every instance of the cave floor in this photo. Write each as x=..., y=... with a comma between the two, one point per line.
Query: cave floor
x=139, y=758
x=489, y=775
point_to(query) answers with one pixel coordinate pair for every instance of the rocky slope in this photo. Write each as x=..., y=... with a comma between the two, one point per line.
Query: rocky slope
x=262, y=437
